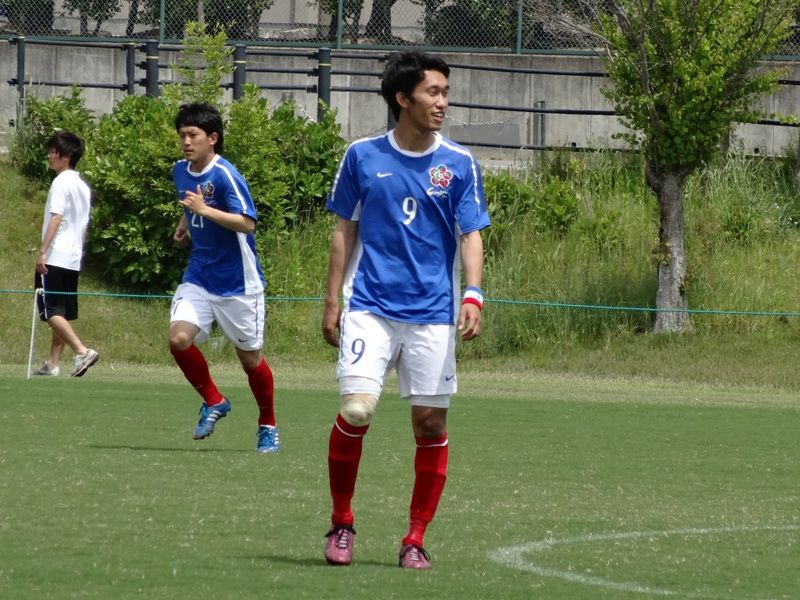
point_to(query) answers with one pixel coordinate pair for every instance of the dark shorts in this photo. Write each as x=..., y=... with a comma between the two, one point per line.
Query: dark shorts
x=63, y=301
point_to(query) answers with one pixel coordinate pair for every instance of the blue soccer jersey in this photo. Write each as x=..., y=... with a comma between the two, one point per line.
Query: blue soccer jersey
x=411, y=210
x=221, y=261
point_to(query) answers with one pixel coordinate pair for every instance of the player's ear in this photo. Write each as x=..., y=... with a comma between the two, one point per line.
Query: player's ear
x=213, y=137
x=402, y=99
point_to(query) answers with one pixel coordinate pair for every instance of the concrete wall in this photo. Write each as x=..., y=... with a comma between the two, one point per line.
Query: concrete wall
x=362, y=114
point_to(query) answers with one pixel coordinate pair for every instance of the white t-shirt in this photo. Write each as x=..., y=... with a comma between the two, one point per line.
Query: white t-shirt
x=70, y=197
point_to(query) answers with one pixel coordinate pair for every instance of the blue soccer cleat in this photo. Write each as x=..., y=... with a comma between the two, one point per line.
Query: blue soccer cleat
x=209, y=415
x=269, y=440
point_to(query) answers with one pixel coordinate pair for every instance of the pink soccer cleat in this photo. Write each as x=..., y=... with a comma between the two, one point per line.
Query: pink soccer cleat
x=339, y=545
x=414, y=557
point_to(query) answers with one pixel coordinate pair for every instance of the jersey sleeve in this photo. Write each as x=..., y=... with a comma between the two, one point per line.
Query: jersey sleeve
x=237, y=195
x=59, y=191
x=471, y=214
x=345, y=194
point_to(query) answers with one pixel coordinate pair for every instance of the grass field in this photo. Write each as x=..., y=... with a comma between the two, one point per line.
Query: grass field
x=588, y=460
x=569, y=487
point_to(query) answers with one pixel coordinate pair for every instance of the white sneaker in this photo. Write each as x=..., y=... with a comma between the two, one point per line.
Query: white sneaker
x=46, y=369
x=83, y=361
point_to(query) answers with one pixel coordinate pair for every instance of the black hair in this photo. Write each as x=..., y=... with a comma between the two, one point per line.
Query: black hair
x=404, y=70
x=66, y=143
x=204, y=116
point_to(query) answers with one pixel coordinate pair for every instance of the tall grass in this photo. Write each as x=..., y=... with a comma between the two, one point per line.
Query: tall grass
x=743, y=254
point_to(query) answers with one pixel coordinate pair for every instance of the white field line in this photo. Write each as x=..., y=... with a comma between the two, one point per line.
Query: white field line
x=514, y=557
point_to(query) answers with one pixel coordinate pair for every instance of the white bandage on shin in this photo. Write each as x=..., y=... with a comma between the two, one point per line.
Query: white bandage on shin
x=357, y=409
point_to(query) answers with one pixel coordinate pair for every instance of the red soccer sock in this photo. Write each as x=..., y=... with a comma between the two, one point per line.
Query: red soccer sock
x=344, y=455
x=430, y=469
x=263, y=386
x=195, y=368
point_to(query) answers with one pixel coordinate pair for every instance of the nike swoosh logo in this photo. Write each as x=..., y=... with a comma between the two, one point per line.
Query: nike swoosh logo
x=382, y=175
x=449, y=378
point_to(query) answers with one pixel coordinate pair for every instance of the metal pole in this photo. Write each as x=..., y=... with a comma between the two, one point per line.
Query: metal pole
x=323, y=83
x=33, y=329
x=519, y=27
x=239, y=72
x=538, y=125
x=20, y=40
x=151, y=68
x=339, y=23
x=162, y=14
x=130, y=67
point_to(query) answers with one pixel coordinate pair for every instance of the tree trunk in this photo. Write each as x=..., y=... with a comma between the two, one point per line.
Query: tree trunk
x=354, y=26
x=134, y=12
x=671, y=295
x=379, y=26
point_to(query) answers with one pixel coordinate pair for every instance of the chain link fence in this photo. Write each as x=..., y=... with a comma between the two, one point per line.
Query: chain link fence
x=511, y=26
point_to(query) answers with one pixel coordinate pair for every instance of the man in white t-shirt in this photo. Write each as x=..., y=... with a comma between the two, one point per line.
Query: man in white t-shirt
x=58, y=263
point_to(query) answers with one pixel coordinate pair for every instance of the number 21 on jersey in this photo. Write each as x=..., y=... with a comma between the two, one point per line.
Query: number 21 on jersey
x=197, y=221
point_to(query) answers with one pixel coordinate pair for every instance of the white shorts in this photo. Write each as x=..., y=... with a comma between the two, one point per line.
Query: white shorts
x=241, y=318
x=424, y=356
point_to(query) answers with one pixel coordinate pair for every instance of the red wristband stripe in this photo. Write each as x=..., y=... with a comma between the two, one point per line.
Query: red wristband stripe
x=473, y=296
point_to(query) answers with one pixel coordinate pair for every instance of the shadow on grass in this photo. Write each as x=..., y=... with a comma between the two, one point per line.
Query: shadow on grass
x=160, y=449
x=319, y=562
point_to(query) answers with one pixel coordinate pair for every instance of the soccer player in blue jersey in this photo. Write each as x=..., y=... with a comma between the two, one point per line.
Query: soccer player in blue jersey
x=223, y=281
x=411, y=208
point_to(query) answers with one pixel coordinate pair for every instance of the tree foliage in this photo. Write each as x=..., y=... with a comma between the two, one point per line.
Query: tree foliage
x=682, y=73
x=203, y=63
x=98, y=11
x=684, y=70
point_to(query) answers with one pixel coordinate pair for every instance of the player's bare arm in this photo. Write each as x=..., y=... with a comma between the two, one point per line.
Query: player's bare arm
x=470, y=317
x=181, y=235
x=47, y=240
x=196, y=204
x=343, y=241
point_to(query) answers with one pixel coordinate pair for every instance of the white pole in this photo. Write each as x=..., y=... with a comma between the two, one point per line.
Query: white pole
x=33, y=330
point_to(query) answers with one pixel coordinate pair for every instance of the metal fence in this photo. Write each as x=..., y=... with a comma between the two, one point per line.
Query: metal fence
x=510, y=26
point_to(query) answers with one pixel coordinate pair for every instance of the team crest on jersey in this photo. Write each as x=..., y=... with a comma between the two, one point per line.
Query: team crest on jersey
x=208, y=190
x=440, y=176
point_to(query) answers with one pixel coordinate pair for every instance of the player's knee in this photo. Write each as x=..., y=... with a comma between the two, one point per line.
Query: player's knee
x=357, y=409
x=179, y=341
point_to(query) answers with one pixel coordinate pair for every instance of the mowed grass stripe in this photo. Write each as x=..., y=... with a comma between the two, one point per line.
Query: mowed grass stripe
x=104, y=494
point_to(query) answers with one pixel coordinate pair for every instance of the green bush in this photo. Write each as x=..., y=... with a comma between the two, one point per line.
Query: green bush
x=135, y=207
x=509, y=197
x=288, y=161
x=550, y=202
x=556, y=205
x=41, y=120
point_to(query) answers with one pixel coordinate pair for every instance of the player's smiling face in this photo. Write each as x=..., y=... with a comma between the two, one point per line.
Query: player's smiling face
x=197, y=146
x=427, y=104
